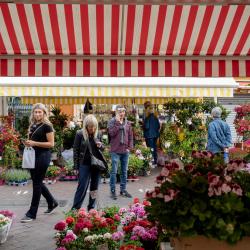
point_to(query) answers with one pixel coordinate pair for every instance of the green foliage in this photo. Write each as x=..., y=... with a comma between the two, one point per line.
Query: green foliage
x=11, y=156
x=69, y=137
x=134, y=165
x=17, y=175
x=22, y=126
x=109, y=212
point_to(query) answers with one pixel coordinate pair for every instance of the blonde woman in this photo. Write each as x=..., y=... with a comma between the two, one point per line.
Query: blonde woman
x=41, y=138
x=86, y=138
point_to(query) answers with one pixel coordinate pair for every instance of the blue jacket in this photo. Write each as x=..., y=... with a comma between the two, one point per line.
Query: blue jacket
x=219, y=136
x=151, y=127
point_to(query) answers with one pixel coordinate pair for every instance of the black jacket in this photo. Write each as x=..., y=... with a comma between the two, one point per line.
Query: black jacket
x=80, y=148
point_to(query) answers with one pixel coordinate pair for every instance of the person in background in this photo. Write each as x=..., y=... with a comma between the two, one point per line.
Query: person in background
x=41, y=138
x=151, y=129
x=121, y=140
x=219, y=134
x=87, y=137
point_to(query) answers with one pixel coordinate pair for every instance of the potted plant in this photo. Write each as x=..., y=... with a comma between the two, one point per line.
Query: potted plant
x=51, y=174
x=68, y=172
x=87, y=230
x=6, y=218
x=135, y=164
x=144, y=153
x=16, y=177
x=204, y=204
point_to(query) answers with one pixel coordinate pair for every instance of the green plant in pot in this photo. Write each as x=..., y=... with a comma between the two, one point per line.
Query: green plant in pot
x=134, y=165
x=205, y=198
x=16, y=175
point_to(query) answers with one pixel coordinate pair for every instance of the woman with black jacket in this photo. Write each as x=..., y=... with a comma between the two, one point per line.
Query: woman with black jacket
x=85, y=138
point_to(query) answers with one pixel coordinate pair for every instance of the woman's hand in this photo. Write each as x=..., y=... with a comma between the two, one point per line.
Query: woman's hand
x=99, y=144
x=30, y=143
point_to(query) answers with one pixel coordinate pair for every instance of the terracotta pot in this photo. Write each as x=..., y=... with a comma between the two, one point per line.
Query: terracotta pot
x=201, y=242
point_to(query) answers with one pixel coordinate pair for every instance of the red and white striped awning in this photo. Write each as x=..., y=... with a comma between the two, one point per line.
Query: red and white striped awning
x=186, y=40
x=72, y=67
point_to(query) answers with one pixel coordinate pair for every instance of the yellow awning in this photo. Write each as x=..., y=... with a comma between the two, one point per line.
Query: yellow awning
x=82, y=100
x=117, y=92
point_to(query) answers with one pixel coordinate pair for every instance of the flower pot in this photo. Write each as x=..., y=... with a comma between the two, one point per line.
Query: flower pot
x=4, y=232
x=238, y=144
x=204, y=243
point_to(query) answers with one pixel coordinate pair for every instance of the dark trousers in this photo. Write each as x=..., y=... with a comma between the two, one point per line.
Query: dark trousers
x=86, y=174
x=152, y=143
x=37, y=176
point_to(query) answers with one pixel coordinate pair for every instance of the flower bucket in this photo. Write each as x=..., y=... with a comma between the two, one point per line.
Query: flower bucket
x=4, y=232
x=204, y=243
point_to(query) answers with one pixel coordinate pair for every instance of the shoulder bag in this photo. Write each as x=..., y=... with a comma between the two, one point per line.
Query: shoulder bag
x=95, y=162
x=29, y=155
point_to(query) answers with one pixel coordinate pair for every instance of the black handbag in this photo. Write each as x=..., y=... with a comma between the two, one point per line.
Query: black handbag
x=95, y=162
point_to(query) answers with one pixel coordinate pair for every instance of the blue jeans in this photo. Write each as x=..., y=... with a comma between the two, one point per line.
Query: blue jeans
x=86, y=174
x=151, y=143
x=123, y=158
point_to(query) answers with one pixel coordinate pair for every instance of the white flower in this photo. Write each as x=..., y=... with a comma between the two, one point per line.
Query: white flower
x=89, y=238
x=107, y=236
x=167, y=144
x=85, y=230
x=105, y=137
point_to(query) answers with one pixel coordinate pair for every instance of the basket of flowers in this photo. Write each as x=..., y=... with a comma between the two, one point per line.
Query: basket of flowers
x=5, y=224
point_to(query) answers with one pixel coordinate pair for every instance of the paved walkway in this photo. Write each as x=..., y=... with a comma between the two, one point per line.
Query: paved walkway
x=38, y=234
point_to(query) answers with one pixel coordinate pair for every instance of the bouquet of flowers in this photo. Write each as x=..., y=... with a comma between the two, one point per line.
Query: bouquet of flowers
x=88, y=230
x=204, y=197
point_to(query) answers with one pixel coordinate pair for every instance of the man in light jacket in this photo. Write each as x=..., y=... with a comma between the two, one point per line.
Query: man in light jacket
x=219, y=134
x=121, y=140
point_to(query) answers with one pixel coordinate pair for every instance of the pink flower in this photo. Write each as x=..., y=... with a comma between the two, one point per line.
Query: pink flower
x=117, y=236
x=61, y=248
x=225, y=188
x=213, y=179
x=93, y=212
x=60, y=226
x=134, y=237
x=117, y=217
x=237, y=189
x=165, y=172
x=171, y=193
x=228, y=178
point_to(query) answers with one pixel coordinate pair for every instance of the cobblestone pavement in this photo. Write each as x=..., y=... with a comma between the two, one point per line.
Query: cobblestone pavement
x=38, y=234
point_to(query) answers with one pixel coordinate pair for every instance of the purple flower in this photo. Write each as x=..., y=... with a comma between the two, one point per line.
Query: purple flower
x=117, y=236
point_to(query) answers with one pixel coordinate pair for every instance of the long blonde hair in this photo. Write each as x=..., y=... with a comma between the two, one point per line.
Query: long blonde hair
x=89, y=120
x=45, y=115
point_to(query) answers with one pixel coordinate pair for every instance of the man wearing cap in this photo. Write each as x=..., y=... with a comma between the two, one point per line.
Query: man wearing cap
x=219, y=134
x=121, y=141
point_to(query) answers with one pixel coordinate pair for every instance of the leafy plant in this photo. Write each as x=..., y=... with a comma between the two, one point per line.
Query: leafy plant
x=17, y=175
x=205, y=197
x=53, y=171
x=134, y=165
